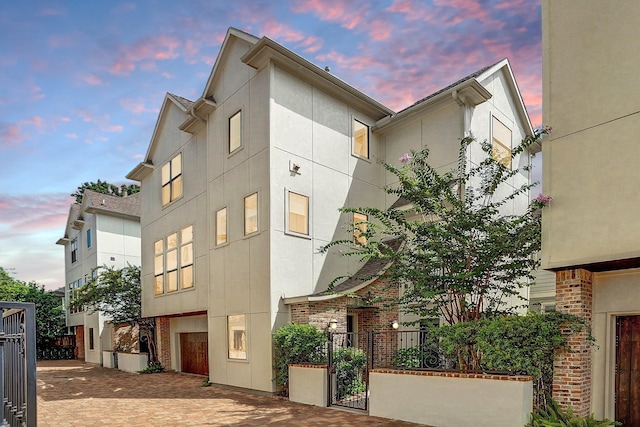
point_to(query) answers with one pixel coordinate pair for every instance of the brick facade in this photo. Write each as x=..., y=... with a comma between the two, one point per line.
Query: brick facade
x=572, y=367
x=80, y=342
x=163, y=341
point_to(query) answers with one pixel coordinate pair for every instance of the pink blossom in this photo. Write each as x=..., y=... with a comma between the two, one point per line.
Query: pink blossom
x=542, y=199
x=405, y=158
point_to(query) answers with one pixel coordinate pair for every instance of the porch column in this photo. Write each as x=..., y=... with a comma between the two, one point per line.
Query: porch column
x=163, y=341
x=572, y=367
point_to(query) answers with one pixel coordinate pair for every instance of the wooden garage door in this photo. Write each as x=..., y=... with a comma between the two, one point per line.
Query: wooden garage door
x=628, y=370
x=194, y=353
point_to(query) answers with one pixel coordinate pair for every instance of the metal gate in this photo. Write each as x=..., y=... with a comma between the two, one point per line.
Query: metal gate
x=348, y=369
x=18, y=360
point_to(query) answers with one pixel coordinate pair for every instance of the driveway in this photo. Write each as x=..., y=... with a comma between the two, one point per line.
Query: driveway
x=73, y=393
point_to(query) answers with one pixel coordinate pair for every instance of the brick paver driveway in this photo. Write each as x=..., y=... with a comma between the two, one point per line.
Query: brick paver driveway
x=72, y=393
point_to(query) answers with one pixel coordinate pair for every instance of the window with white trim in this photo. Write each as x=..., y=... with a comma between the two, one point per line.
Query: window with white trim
x=173, y=262
x=251, y=214
x=172, y=180
x=235, y=132
x=360, y=139
x=501, y=143
x=221, y=226
x=88, y=238
x=74, y=250
x=237, y=336
x=297, y=213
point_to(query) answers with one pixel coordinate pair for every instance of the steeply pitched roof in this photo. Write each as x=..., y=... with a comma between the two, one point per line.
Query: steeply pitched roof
x=181, y=100
x=94, y=201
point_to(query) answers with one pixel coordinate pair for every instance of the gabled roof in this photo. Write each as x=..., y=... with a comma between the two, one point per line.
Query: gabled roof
x=98, y=203
x=146, y=166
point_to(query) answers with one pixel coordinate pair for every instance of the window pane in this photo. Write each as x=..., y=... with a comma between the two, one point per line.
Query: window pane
x=186, y=234
x=159, y=285
x=360, y=139
x=186, y=254
x=501, y=143
x=172, y=260
x=176, y=166
x=186, y=277
x=237, y=335
x=358, y=229
x=158, y=246
x=176, y=188
x=221, y=226
x=158, y=265
x=166, y=174
x=251, y=214
x=235, y=131
x=166, y=194
x=172, y=241
x=172, y=281
x=298, y=213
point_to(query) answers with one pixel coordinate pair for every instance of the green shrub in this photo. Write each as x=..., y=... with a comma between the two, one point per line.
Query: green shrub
x=152, y=368
x=553, y=416
x=410, y=358
x=349, y=363
x=297, y=344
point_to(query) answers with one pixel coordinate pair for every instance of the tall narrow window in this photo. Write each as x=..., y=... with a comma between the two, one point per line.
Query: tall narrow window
x=91, y=341
x=158, y=269
x=237, y=334
x=501, y=143
x=251, y=214
x=221, y=226
x=89, y=238
x=235, y=131
x=74, y=250
x=172, y=180
x=186, y=257
x=298, y=220
x=360, y=139
x=172, y=262
x=359, y=228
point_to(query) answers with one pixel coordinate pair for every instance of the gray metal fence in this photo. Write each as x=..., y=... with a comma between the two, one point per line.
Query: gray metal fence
x=18, y=360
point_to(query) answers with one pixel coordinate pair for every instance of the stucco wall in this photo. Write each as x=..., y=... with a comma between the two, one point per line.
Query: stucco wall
x=308, y=384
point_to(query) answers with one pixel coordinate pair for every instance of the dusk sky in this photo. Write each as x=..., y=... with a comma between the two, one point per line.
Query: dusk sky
x=81, y=82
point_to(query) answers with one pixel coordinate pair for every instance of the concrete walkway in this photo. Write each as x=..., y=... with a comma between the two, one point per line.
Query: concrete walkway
x=73, y=393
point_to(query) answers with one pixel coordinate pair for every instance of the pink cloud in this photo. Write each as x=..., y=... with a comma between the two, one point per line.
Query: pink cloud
x=347, y=13
x=11, y=135
x=34, y=211
x=135, y=107
x=35, y=121
x=284, y=33
x=93, y=80
x=380, y=30
x=35, y=93
x=71, y=135
x=113, y=128
x=167, y=75
x=144, y=52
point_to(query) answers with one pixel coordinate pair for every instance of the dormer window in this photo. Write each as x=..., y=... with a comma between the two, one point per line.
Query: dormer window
x=172, y=180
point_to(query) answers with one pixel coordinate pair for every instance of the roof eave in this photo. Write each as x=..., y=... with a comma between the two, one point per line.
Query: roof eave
x=139, y=172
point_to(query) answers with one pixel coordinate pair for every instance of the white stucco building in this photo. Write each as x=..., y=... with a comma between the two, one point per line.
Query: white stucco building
x=242, y=186
x=103, y=230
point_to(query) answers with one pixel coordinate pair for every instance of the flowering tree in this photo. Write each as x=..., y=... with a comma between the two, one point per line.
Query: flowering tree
x=460, y=257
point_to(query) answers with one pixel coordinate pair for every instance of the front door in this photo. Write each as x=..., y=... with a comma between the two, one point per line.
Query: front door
x=628, y=370
x=194, y=353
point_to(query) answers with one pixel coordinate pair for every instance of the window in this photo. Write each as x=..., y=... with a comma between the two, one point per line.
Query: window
x=251, y=214
x=237, y=333
x=173, y=262
x=89, y=238
x=235, y=131
x=74, y=250
x=172, y=180
x=298, y=213
x=91, y=342
x=360, y=139
x=501, y=143
x=359, y=228
x=221, y=227
x=158, y=269
x=186, y=257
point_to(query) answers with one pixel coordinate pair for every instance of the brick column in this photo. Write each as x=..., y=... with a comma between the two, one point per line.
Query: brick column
x=572, y=367
x=163, y=341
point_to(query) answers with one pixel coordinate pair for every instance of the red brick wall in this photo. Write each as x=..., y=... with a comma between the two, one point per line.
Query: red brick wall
x=572, y=367
x=163, y=341
x=80, y=342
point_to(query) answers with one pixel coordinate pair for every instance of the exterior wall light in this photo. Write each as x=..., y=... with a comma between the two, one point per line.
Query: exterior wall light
x=333, y=324
x=395, y=324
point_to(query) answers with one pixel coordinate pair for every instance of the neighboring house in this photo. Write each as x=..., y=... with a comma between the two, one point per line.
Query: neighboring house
x=103, y=230
x=591, y=238
x=242, y=186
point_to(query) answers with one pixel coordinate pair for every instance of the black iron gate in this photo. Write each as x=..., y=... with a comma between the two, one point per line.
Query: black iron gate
x=349, y=359
x=18, y=360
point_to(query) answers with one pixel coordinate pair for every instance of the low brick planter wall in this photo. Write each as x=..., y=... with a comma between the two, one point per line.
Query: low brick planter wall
x=448, y=399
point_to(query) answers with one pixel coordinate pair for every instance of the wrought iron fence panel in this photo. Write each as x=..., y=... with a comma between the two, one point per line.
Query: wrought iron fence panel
x=349, y=360
x=409, y=350
x=18, y=360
